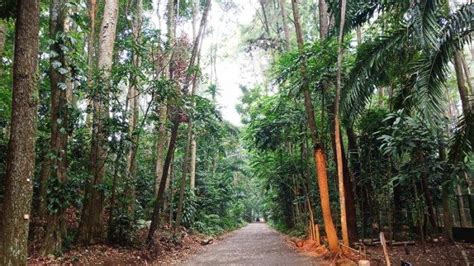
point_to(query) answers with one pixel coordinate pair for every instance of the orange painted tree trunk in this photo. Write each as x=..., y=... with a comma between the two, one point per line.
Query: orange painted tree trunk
x=318, y=149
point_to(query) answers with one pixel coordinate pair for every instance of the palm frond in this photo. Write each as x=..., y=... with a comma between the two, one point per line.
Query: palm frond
x=432, y=68
x=365, y=75
x=463, y=137
x=424, y=20
x=360, y=12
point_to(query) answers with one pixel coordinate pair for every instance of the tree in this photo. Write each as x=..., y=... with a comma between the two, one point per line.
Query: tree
x=425, y=74
x=190, y=78
x=193, y=144
x=91, y=221
x=163, y=111
x=61, y=92
x=159, y=202
x=337, y=128
x=123, y=194
x=286, y=30
x=463, y=83
x=323, y=19
x=319, y=154
x=21, y=148
x=133, y=97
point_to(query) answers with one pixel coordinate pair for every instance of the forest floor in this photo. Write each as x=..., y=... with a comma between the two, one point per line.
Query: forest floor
x=166, y=250
x=254, y=244
x=437, y=253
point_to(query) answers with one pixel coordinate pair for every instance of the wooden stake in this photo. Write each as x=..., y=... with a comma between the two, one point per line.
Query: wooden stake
x=385, y=252
x=318, y=239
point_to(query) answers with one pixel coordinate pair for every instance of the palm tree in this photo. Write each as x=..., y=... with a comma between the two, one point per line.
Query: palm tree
x=427, y=39
x=423, y=39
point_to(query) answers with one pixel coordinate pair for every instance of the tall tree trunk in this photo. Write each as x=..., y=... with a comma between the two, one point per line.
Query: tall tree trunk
x=294, y=189
x=3, y=35
x=467, y=73
x=349, y=196
x=323, y=19
x=265, y=18
x=350, y=200
x=177, y=118
x=305, y=175
x=131, y=111
x=429, y=202
x=286, y=30
x=21, y=148
x=192, y=170
x=189, y=141
x=162, y=142
x=445, y=192
x=133, y=103
x=91, y=221
x=337, y=127
x=182, y=187
x=92, y=6
x=192, y=163
x=462, y=213
x=318, y=150
x=159, y=201
x=59, y=120
x=196, y=47
x=359, y=35
x=44, y=173
x=91, y=54
x=353, y=153
x=462, y=84
x=169, y=197
x=162, y=137
x=194, y=56
x=195, y=12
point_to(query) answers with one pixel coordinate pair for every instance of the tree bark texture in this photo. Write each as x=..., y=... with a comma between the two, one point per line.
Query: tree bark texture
x=21, y=148
x=3, y=35
x=323, y=19
x=462, y=84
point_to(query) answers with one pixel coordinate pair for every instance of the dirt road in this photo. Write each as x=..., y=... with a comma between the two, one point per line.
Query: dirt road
x=255, y=244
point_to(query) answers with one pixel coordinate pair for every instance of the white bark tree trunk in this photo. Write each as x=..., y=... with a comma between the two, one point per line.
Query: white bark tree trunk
x=91, y=220
x=337, y=127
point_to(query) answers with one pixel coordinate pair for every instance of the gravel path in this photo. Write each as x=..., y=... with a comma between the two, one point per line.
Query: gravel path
x=255, y=244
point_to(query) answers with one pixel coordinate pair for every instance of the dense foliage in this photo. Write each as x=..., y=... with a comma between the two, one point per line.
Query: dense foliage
x=363, y=122
x=406, y=141
x=151, y=69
